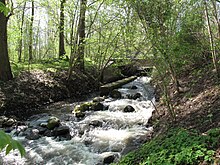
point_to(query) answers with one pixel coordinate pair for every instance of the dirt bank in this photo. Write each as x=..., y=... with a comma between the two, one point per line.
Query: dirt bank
x=24, y=94
x=197, y=106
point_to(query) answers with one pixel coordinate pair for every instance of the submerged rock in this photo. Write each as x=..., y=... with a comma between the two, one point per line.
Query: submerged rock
x=79, y=114
x=129, y=108
x=42, y=130
x=98, y=99
x=97, y=107
x=96, y=123
x=61, y=130
x=38, y=121
x=31, y=134
x=109, y=157
x=136, y=96
x=134, y=87
x=115, y=94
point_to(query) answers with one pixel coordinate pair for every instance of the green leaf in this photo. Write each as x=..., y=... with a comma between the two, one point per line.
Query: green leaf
x=8, y=149
x=9, y=143
x=3, y=9
x=20, y=148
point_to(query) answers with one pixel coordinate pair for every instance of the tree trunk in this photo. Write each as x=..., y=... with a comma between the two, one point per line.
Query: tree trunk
x=81, y=31
x=5, y=68
x=21, y=34
x=216, y=16
x=61, y=30
x=214, y=58
x=31, y=33
x=73, y=41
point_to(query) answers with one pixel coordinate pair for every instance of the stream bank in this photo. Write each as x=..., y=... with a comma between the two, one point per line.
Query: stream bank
x=31, y=90
x=98, y=137
x=196, y=129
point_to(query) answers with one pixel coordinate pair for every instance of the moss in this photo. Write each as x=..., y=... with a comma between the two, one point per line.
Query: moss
x=53, y=122
x=80, y=110
x=83, y=107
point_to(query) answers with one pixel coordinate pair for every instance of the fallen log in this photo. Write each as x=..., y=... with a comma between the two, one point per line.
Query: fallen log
x=107, y=88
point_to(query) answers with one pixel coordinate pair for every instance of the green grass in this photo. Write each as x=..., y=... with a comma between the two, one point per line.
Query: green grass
x=46, y=65
x=176, y=147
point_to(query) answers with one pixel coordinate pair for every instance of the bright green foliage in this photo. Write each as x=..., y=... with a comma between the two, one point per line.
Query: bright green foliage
x=7, y=142
x=178, y=146
x=47, y=65
x=4, y=9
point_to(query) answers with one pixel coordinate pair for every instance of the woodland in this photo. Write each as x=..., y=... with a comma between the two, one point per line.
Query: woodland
x=55, y=50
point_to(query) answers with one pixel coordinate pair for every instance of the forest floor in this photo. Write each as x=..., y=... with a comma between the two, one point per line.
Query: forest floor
x=198, y=105
x=23, y=95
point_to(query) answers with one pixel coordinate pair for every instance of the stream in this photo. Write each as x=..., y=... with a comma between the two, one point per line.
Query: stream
x=101, y=137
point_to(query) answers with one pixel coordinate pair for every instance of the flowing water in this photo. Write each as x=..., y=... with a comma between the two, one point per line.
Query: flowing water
x=115, y=134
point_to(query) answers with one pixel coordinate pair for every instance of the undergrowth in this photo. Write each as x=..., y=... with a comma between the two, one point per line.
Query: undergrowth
x=177, y=147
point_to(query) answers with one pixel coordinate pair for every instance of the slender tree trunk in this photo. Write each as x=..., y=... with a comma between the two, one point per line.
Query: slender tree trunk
x=21, y=34
x=37, y=54
x=31, y=32
x=81, y=30
x=216, y=16
x=73, y=40
x=61, y=30
x=5, y=68
x=214, y=57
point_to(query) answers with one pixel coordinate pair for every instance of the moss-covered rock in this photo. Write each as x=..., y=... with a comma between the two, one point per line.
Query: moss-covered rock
x=53, y=122
x=80, y=110
x=83, y=107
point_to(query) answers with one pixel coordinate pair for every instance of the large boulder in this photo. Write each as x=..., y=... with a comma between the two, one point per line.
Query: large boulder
x=129, y=108
x=53, y=122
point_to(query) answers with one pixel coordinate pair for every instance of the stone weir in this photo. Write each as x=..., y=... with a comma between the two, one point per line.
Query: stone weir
x=107, y=88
